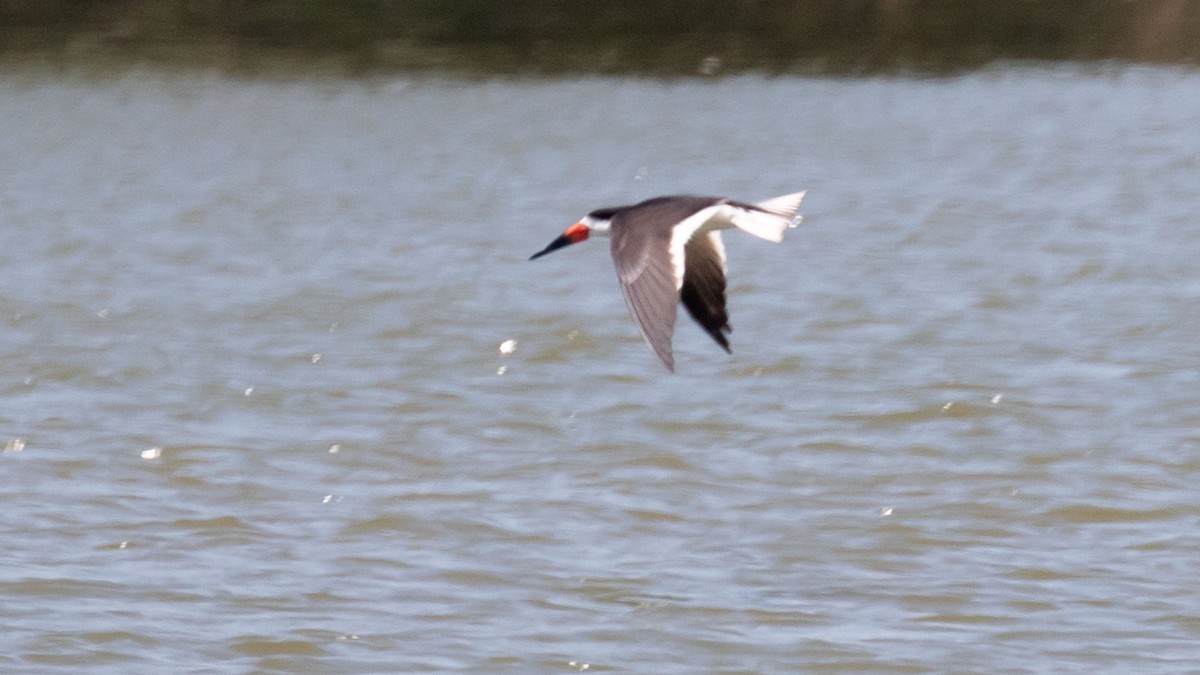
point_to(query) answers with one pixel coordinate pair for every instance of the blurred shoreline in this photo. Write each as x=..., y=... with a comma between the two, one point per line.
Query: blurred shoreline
x=673, y=37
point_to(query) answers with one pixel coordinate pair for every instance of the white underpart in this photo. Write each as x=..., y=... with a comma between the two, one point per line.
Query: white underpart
x=712, y=218
x=769, y=226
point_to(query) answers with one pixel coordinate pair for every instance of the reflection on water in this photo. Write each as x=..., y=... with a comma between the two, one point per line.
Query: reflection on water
x=280, y=391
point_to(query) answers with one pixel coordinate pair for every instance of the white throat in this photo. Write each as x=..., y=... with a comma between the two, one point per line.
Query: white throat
x=597, y=227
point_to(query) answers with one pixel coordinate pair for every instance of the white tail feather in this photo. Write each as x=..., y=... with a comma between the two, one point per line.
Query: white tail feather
x=780, y=214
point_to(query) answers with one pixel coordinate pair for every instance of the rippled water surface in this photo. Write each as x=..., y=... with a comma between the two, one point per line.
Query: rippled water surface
x=256, y=417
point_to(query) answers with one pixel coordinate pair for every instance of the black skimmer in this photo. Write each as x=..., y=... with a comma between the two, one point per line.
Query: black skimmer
x=668, y=250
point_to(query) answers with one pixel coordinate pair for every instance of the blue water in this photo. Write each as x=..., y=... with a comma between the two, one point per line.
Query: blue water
x=256, y=417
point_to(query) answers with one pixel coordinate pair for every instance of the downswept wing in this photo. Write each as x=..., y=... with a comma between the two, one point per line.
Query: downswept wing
x=650, y=260
x=648, y=280
x=703, y=290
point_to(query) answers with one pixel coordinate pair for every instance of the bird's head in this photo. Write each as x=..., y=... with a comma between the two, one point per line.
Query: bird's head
x=591, y=224
x=574, y=234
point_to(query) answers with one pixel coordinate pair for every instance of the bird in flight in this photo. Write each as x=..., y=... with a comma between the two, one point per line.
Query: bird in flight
x=668, y=250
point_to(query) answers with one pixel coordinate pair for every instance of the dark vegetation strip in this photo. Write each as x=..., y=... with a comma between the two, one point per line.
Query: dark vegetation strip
x=591, y=36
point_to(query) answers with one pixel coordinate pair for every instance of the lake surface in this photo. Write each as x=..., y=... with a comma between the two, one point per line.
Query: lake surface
x=256, y=417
